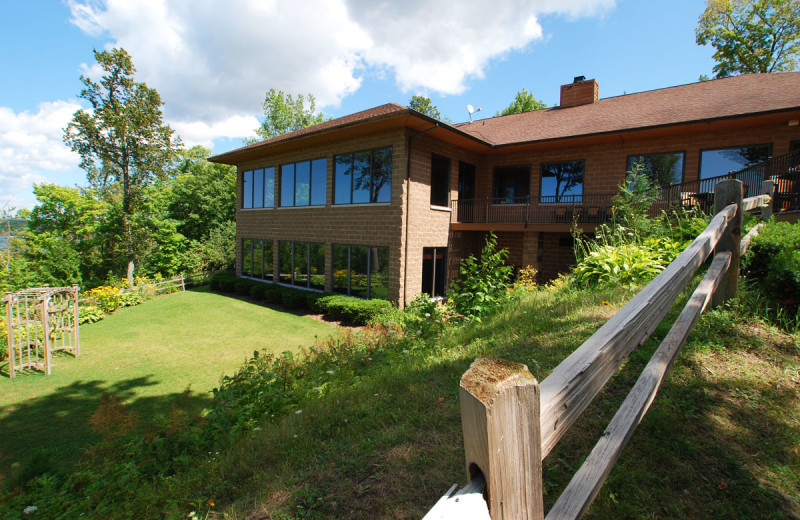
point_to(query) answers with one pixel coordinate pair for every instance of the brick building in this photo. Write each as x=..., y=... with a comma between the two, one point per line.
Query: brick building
x=385, y=202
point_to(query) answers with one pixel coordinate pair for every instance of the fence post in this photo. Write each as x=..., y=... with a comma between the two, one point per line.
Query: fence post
x=183, y=283
x=729, y=192
x=502, y=439
x=768, y=188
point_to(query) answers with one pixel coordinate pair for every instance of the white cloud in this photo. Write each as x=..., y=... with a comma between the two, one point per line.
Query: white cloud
x=201, y=133
x=32, y=151
x=214, y=61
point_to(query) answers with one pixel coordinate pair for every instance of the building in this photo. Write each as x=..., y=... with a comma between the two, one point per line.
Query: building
x=385, y=202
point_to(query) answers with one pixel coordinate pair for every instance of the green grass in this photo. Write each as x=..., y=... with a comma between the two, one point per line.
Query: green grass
x=148, y=356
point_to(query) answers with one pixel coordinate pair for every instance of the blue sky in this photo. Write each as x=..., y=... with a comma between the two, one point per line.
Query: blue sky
x=213, y=62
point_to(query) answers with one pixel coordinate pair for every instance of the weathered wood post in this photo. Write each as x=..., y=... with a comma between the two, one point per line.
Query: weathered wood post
x=729, y=192
x=76, y=319
x=768, y=188
x=10, y=334
x=44, y=301
x=502, y=438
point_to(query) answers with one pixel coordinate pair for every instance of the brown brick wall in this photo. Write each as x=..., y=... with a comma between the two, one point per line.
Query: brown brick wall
x=581, y=93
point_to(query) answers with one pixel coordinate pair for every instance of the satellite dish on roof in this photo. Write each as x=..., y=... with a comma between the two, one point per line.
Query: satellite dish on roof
x=471, y=109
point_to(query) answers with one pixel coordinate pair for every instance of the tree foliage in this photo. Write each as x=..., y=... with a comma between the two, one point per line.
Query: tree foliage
x=424, y=105
x=523, y=102
x=751, y=36
x=123, y=142
x=284, y=113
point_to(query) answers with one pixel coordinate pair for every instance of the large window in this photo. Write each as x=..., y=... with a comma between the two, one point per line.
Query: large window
x=361, y=271
x=721, y=161
x=304, y=183
x=663, y=169
x=363, y=177
x=302, y=264
x=562, y=182
x=512, y=184
x=257, y=258
x=258, y=188
x=440, y=181
x=434, y=270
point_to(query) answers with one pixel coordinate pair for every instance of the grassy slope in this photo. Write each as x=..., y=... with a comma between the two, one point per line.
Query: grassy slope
x=721, y=440
x=146, y=355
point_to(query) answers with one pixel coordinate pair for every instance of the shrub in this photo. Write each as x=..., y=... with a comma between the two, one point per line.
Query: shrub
x=626, y=264
x=273, y=294
x=772, y=264
x=242, y=287
x=257, y=291
x=224, y=281
x=294, y=298
x=351, y=310
x=90, y=314
x=526, y=279
x=484, y=282
x=107, y=297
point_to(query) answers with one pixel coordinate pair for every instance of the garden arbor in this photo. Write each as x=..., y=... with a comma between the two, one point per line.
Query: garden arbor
x=41, y=321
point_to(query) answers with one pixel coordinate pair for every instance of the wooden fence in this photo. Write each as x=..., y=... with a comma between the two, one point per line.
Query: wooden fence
x=511, y=422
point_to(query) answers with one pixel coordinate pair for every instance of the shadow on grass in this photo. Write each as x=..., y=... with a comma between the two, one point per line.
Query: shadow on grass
x=53, y=430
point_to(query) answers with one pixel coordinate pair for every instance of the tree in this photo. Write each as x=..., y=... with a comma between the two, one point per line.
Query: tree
x=751, y=36
x=123, y=142
x=424, y=105
x=524, y=102
x=286, y=114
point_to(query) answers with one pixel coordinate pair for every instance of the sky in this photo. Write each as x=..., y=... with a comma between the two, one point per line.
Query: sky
x=212, y=62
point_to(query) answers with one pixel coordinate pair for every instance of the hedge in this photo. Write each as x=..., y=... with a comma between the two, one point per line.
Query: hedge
x=349, y=309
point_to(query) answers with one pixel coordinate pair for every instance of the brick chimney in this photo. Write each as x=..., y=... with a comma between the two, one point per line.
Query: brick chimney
x=580, y=92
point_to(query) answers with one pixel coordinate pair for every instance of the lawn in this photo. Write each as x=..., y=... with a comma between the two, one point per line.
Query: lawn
x=147, y=356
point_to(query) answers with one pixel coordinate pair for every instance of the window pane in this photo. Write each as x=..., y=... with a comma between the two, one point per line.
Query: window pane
x=340, y=268
x=720, y=162
x=362, y=180
x=300, y=264
x=258, y=188
x=662, y=168
x=269, y=187
x=247, y=192
x=317, y=267
x=379, y=273
x=319, y=184
x=285, y=264
x=287, y=185
x=562, y=181
x=302, y=180
x=268, y=270
x=358, y=271
x=247, y=257
x=382, y=175
x=440, y=181
x=342, y=183
x=258, y=257
x=512, y=185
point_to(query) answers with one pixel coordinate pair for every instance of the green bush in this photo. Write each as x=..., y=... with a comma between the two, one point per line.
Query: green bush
x=626, y=264
x=312, y=297
x=296, y=299
x=351, y=310
x=484, y=282
x=90, y=314
x=223, y=281
x=273, y=294
x=242, y=287
x=772, y=264
x=257, y=291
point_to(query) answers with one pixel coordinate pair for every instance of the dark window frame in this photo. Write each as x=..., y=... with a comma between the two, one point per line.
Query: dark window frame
x=683, y=164
x=372, y=193
x=249, y=203
x=349, y=291
x=266, y=275
x=308, y=245
x=311, y=191
x=722, y=148
x=497, y=197
x=440, y=181
x=572, y=198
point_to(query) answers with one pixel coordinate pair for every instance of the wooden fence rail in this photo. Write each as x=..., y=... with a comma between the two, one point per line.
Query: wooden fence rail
x=511, y=422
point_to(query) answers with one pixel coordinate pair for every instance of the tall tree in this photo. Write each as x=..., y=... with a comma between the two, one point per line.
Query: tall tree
x=123, y=142
x=424, y=105
x=524, y=102
x=751, y=36
x=286, y=114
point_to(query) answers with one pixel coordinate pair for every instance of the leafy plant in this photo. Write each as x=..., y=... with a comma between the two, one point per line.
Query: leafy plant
x=484, y=281
x=772, y=264
x=90, y=314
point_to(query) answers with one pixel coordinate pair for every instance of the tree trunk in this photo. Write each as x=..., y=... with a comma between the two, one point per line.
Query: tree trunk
x=130, y=271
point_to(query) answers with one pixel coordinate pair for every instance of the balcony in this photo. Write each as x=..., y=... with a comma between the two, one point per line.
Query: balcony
x=592, y=209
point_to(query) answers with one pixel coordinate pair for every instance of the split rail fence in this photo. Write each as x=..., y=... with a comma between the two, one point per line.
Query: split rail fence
x=511, y=422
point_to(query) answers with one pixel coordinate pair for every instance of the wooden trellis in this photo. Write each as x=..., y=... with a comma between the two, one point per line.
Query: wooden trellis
x=40, y=321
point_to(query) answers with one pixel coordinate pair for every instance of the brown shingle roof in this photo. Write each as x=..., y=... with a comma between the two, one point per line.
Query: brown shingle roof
x=720, y=98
